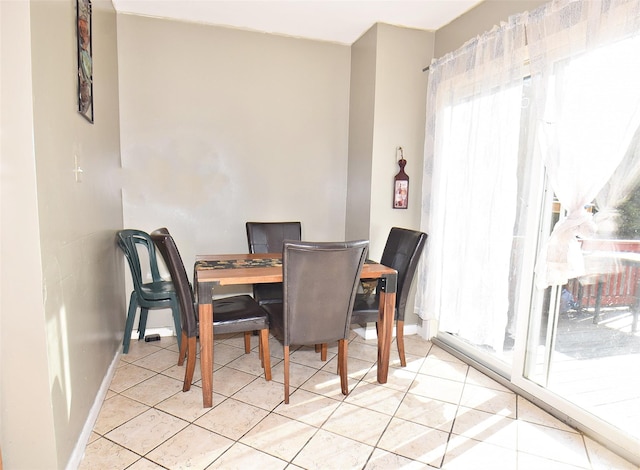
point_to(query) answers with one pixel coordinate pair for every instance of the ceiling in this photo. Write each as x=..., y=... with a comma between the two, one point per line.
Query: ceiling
x=340, y=21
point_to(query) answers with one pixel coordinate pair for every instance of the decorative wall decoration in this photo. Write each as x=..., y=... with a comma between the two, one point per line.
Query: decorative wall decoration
x=85, y=59
x=401, y=184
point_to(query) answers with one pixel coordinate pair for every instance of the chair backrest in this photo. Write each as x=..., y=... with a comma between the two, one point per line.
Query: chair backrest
x=402, y=253
x=268, y=237
x=129, y=240
x=167, y=247
x=320, y=283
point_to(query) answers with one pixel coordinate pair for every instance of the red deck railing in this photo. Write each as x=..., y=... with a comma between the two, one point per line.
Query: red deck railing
x=618, y=289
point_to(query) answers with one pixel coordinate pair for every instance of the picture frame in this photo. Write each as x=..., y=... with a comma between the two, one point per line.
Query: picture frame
x=85, y=59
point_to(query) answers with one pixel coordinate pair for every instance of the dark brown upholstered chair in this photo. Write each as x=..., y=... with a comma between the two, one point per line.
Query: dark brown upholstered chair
x=239, y=313
x=402, y=253
x=320, y=284
x=268, y=237
x=148, y=295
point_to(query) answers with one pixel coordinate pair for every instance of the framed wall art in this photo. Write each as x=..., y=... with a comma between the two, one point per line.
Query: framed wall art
x=85, y=59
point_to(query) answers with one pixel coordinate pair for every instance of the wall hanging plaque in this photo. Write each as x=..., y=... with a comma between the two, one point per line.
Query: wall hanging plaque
x=85, y=59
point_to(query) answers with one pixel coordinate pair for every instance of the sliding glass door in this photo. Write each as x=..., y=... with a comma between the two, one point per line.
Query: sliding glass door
x=519, y=226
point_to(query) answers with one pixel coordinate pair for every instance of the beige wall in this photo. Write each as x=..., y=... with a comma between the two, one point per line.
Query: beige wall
x=388, y=93
x=25, y=397
x=221, y=126
x=478, y=20
x=62, y=283
x=361, y=119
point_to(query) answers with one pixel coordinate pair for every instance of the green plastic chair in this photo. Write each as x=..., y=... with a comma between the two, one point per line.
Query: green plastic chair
x=157, y=294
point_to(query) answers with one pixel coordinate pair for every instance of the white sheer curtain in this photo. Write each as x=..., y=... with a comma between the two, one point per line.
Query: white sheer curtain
x=473, y=121
x=585, y=64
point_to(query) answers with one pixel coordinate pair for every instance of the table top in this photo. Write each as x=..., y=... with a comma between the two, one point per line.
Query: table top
x=230, y=269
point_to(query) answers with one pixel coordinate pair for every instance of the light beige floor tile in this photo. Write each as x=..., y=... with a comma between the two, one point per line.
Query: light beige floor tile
x=383, y=460
x=414, y=363
x=242, y=457
x=417, y=346
x=426, y=445
x=279, y=436
x=534, y=462
x=554, y=444
x=94, y=436
x=361, y=424
x=227, y=381
x=427, y=411
x=442, y=354
x=263, y=394
x=249, y=363
x=298, y=373
x=193, y=448
x=529, y=412
x=307, y=407
x=103, y=453
x=444, y=369
x=475, y=377
x=224, y=353
x=232, y=418
x=437, y=388
x=487, y=427
x=275, y=349
x=144, y=464
x=398, y=378
x=146, y=431
x=356, y=368
x=465, y=454
x=116, y=411
x=328, y=450
x=177, y=372
x=158, y=361
x=154, y=390
x=489, y=400
x=603, y=459
x=307, y=356
x=138, y=350
x=187, y=405
x=375, y=396
x=327, y=384
x=129, y=375
x=364, y=352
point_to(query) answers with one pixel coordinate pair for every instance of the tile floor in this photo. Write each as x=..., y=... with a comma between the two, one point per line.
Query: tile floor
x=435, y=413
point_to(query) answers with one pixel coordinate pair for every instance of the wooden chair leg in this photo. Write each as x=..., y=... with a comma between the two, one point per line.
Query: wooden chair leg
x=247, y=342
x=342, y=366
x=323, y=352
x=286, y=374
x=400, y=341
x=191, y=362
x=183, y=348
x=318, y=348
x=264, y=351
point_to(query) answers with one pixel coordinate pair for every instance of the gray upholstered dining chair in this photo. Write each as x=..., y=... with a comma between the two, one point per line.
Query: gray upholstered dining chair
x=320, y=283
x=268, y=237
x=148, y=294
x=402, y=253
x=234, y=314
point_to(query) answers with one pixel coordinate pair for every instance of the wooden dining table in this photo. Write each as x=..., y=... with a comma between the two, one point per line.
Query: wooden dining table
x=213, y=271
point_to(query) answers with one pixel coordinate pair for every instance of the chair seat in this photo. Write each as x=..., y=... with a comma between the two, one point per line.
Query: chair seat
x=158, y=290
x=238, y=313
x=268, y=293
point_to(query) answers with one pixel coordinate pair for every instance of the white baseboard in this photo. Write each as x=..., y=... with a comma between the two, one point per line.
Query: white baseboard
x=83, y=439
x=162, y=331
x=370, y=331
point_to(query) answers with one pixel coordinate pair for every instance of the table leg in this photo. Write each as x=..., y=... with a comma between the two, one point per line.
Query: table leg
x=205, y=313
x=385, y=327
